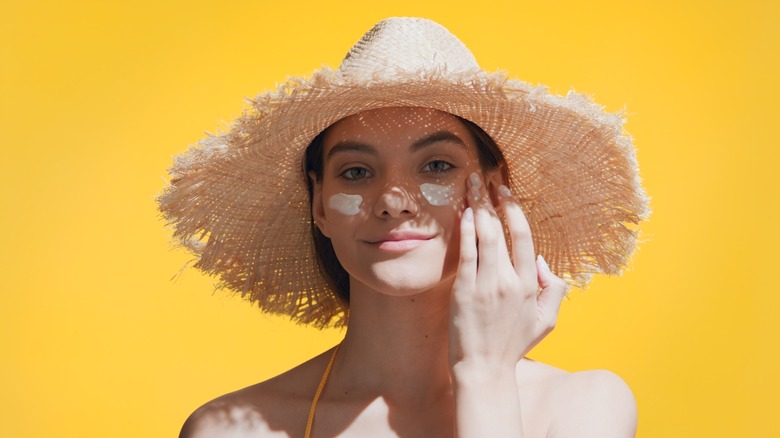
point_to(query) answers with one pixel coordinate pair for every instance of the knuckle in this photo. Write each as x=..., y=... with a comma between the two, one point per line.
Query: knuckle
x=506, y=286
x=488, y=238
x=468, y=256
x=461, y=300
x=519, y=232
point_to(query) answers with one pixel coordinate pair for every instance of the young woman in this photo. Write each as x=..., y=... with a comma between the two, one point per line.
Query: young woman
x=407, y=225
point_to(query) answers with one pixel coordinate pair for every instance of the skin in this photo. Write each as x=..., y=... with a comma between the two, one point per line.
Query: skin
x=435, y=343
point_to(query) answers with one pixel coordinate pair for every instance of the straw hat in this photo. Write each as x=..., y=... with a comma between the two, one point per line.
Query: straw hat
x=239, y=199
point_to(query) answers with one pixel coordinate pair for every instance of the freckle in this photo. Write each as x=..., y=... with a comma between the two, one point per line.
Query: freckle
x=412, y=299
x=426, y=336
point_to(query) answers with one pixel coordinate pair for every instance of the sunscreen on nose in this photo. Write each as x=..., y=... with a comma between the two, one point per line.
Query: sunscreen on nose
x=437, y=195
x=348, y=205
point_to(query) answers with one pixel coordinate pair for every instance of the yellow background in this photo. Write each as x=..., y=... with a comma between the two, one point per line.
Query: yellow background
x=96, y=97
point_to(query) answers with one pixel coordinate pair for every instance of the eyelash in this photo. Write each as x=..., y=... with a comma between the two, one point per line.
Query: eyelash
x=345, y=174
x=348, y=173
x=449, y=167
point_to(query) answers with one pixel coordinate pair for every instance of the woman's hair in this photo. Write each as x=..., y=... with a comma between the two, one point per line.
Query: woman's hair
x=490, y=158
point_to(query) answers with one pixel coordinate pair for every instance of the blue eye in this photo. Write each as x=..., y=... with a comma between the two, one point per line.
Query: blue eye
x=438, y=166
x=355, y=173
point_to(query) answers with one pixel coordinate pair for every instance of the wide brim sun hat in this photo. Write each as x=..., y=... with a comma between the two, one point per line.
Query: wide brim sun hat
x=239, y=200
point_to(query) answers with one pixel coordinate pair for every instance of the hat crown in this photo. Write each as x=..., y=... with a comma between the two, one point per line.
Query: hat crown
x=397, y=46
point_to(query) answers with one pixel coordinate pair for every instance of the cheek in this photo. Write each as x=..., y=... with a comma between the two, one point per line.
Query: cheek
x=451, y=195
x=437, y=195
x=348, y=205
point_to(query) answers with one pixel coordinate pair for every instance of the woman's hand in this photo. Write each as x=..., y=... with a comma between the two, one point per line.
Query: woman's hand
x=501, y=307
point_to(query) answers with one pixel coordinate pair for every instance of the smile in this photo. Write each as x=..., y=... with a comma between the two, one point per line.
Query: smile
x=400, y=241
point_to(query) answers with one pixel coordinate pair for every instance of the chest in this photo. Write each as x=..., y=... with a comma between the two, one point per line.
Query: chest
x=378, y=418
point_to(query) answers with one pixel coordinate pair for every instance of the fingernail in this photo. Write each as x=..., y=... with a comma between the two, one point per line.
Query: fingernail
x=474, y=180
x=543, y=262
x=468, y=215
x=504, y=191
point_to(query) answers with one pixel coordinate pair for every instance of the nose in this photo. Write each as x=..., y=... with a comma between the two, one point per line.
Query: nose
x=396, y=202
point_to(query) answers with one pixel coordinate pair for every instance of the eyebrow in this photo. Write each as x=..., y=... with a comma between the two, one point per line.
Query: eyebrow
x=435, y=138
x=356, y=146
x=351, y=146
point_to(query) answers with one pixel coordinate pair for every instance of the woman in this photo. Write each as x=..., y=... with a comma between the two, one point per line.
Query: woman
x=415, y=164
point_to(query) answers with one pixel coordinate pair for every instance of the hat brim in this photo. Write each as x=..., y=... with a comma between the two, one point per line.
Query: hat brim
x=239, y=199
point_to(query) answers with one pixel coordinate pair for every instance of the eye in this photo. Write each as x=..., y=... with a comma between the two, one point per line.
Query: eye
x=438, y=166
x=355, y=173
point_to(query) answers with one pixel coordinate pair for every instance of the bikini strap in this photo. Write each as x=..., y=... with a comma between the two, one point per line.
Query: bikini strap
x=324, y=379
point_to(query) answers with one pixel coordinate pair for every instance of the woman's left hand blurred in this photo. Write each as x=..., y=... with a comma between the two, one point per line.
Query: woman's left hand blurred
x=502, y=304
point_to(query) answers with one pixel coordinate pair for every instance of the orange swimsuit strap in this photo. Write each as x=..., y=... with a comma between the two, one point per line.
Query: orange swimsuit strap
x=324, y=379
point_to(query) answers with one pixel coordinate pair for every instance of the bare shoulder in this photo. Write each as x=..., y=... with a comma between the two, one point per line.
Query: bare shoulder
x=227, y=416
x=599, y=402
x=595, y=403
x=277, y=407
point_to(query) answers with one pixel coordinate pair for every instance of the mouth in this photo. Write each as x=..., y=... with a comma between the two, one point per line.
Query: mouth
x=400, y=241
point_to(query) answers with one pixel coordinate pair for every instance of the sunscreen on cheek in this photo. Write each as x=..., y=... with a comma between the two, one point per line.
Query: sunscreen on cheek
x=437, y=195
x=348, y=205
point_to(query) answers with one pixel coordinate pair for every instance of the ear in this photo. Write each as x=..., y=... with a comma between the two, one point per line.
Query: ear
x=317, y=205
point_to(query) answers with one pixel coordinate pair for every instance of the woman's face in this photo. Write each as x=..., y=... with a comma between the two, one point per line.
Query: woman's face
x=392, y=191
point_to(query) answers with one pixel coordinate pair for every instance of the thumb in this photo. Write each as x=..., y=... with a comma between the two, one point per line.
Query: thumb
x=553, y=288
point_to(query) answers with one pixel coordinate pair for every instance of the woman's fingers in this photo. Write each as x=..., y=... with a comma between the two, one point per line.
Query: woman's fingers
x=490, y=236
x=519, y=234
x=498, y=312
x=467, y=267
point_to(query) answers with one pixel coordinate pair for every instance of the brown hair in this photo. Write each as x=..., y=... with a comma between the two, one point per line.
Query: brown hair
x=490, y=158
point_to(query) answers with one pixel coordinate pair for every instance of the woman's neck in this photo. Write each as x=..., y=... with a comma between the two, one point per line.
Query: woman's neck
x=397, y=347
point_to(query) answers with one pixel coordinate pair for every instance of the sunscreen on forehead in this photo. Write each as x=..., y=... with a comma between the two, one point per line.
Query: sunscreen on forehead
x=437, y=195
x=348, y=205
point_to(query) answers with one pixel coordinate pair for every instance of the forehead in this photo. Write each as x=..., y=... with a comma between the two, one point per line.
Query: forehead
x=395, y=125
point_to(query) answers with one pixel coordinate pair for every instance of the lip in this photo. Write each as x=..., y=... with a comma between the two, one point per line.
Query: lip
x=400, y=241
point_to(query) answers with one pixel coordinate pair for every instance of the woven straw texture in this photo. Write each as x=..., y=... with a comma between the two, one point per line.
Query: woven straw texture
x=239, y=201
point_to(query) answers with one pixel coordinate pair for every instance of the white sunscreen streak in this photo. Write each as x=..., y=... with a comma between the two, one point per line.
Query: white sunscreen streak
x=437, y=195
x=348, y=205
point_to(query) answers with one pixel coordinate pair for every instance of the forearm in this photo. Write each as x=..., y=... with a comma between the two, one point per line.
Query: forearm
x=487, y=404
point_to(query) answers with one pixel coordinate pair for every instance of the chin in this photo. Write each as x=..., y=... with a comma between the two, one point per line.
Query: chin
x=400, y=273
x=390, y=279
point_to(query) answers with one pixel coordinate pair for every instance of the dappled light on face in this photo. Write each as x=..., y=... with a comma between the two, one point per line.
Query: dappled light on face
x=394, y=186
x=395, y=200
x=418, y=155
x=388, y=120
x=436, y=194
x=397, y=125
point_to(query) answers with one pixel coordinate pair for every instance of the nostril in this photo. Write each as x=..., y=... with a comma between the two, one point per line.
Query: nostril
x=396, y=201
